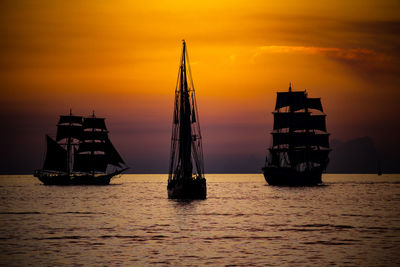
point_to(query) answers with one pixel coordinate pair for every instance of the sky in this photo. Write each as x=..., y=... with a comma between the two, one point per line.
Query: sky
x=120, y=59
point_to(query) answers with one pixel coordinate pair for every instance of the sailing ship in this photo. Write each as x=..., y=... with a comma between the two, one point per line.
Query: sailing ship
x=300, y=142
x=186, y=170
x=81, y=154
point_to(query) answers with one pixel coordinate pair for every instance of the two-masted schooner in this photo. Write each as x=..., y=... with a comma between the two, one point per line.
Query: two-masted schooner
x=81, y=154
x=186, y=170
x=300, y=142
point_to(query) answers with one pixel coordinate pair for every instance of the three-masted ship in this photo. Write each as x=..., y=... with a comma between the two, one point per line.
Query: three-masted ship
x=300, y=142
x=81, y=154
x=186, y=170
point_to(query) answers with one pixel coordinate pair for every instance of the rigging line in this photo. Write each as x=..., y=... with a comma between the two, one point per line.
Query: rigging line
x=179, y=71
x=190, y=70
x=193, y=93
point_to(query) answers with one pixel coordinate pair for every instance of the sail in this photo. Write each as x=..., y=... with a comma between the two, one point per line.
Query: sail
x=299, y=121
x=56, y=156
x=113, y=157
x=317, y=122
x=89, y=162
x=314, y=103
x=296, y=121
x=95, y=150
x=92, y=146
x=299, y=136
x=301, y=139
x=296, y=100
x=70, y=119
x=275, y=159
x=69, y=131
x=94, y=135
x=316, y=156
x=319, y=156
x=94, y=123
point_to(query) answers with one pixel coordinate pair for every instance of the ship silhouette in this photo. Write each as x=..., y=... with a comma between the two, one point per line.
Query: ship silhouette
x=186, y=170
x=300, y=142
x=81, y=154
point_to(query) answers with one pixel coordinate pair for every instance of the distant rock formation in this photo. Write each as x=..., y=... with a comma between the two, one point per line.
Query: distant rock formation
x=354, y=156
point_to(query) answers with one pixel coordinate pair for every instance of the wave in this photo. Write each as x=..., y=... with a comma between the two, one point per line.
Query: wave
x=21, y=212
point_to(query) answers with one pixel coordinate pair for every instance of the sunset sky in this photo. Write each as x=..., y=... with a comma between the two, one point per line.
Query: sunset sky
x=120, y=59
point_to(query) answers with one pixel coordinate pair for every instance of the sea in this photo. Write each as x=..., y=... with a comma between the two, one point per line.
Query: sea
x=349, y=220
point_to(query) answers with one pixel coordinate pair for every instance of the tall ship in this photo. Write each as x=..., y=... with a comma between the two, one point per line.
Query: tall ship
x=186, y=170
x=81, y=153
x=300, y=141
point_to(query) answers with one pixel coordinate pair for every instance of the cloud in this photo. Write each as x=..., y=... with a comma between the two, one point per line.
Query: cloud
x=364, y=61
x=332, y=52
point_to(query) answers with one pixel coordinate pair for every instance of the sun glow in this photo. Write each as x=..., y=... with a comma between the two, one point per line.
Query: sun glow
x=121, y=59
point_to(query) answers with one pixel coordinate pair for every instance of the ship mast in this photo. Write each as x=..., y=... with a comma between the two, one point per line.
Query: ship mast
x=93, y=163
x=307, y=152
x=291, y=111
x=185, y=131
x=69, y=147
x=186, y=147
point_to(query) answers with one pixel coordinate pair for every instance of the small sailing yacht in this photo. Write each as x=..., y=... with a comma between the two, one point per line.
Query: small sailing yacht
x=186, y=170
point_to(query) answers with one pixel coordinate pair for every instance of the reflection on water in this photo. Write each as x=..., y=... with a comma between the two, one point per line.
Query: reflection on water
x=351, y=220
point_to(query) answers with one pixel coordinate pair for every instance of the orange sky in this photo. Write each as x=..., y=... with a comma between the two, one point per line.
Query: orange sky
x=120, y=58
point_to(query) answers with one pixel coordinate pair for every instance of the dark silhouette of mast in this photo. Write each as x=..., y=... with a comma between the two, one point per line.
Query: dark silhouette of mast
x=93, y=163
x=185, y=131
x=69, y=147
x=308, y=136
x=291, y=111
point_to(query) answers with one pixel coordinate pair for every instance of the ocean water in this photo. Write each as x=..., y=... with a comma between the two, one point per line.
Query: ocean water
x=351, y=220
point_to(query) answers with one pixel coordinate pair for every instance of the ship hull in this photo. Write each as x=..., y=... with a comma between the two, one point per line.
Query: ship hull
x=187, y=189
x=63, y=179
x=290, y=177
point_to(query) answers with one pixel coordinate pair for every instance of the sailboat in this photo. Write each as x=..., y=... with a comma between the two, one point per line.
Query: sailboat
x=186, y=170
x=300, y=142
x=81, y=154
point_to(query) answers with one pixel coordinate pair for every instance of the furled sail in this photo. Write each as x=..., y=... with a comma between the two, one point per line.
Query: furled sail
x=56, y=156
